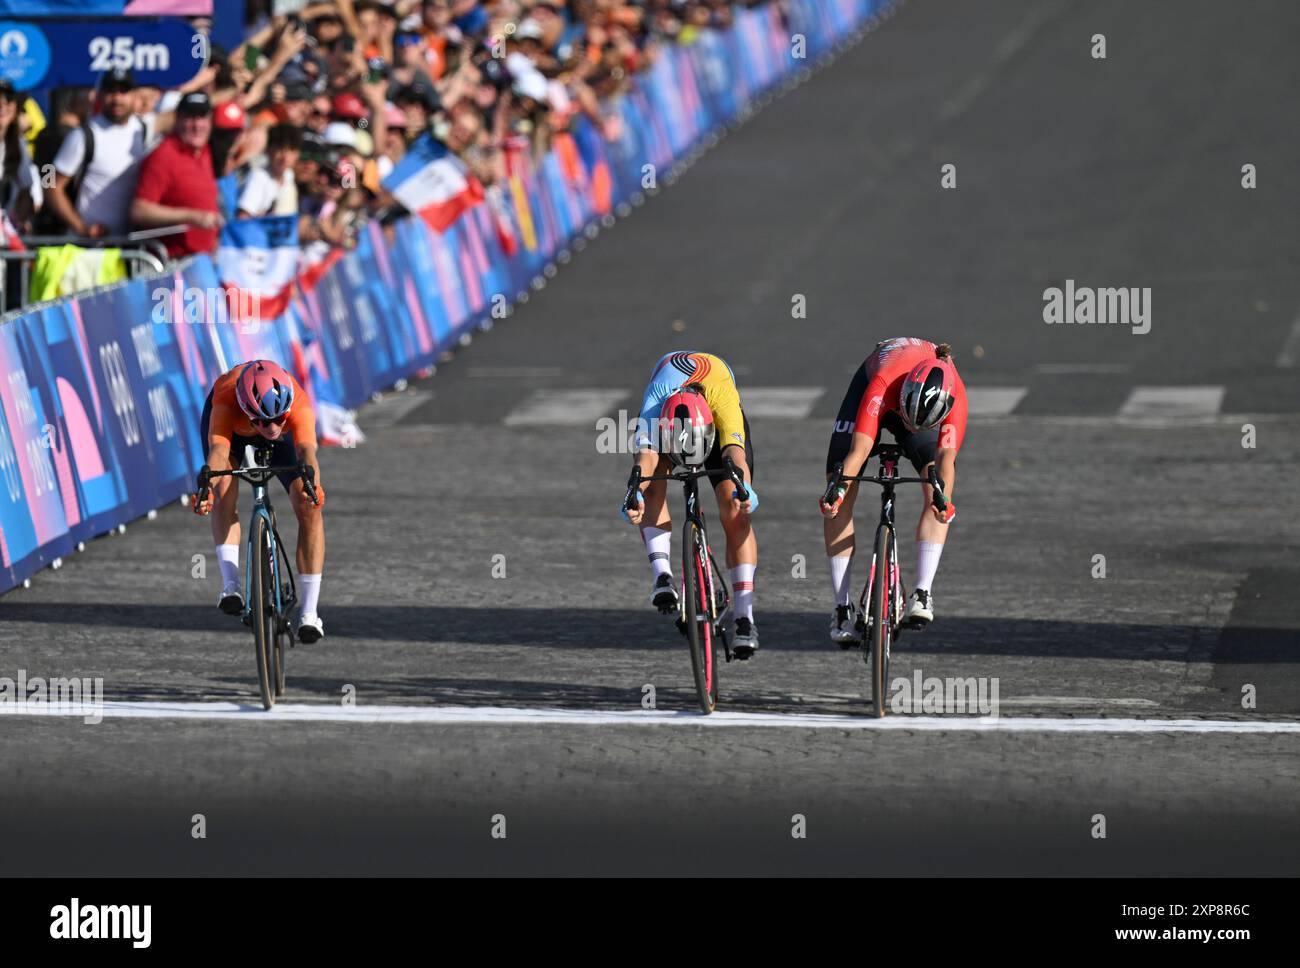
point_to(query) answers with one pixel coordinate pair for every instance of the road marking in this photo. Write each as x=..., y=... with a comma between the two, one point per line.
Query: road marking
x=513, y=372
x=508, y=716
x=1010, y=45
x=394, y=407
x=993, y=401
x=565, y=407
x=1074, y=701
x=1291, y=348
x=1068, y=368
x=1172, y=402
x=793, y=403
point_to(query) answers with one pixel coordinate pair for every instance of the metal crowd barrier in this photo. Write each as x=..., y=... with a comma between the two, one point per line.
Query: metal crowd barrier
x=140, y=249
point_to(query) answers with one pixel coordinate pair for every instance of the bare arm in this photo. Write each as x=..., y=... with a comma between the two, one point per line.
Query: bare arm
x=857, y=456
x=219, y=456
x=155, y=215
x=57, y=199
x=307, y=454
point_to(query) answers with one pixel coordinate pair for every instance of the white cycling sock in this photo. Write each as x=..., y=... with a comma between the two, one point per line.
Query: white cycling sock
x=658, y=544
x=228, y=559
x=742, y=586
x=308, y=593
x=841, y=578
x=927, y=562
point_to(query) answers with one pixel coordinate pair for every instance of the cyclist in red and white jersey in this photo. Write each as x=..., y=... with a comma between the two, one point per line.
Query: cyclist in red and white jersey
x=911, y=388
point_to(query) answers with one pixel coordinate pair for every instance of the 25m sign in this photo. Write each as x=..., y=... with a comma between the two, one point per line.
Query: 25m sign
x=161, y=53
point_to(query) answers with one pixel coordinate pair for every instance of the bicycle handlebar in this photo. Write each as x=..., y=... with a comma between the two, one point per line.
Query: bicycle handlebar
x=258, y=475
x=636, y=479
x=937, y=497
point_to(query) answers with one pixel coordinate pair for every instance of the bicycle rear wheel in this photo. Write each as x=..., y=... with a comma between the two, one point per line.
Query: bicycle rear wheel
x=262, y=612
x=699, y=620
x=880, y=627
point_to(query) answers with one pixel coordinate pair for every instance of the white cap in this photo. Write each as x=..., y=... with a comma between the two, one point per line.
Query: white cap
x=340, y=133
x=531, y=84
x=530, y=29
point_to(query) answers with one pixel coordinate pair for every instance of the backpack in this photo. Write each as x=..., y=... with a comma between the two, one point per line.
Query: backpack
x=46, y=222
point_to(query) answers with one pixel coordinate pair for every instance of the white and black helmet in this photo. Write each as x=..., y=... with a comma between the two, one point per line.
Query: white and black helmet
x=927, y=394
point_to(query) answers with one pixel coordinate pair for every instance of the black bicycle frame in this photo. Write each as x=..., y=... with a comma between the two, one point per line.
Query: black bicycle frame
x=259, y=476
x=887, y=478
x=690, y=478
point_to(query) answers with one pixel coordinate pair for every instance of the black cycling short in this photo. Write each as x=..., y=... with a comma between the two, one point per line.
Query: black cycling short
x=283, y=451
x=713, y=463
x=920, y=446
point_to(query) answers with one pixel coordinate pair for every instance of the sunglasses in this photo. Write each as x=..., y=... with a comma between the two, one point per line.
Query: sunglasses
x=276, y=421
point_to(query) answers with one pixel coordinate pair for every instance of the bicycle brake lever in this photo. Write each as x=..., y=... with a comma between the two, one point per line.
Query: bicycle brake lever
x=742, y=494
x=633, y=485
x=937, y=497
x=828, y=497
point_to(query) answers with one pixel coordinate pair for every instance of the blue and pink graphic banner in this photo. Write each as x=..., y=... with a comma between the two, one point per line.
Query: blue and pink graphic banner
x=100, y=394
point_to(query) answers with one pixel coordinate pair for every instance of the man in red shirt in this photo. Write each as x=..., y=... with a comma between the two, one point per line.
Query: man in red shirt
x=177, y=186
x=911, y=388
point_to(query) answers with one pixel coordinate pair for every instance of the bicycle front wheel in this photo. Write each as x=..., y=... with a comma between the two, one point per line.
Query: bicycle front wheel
x=262, y=611
x=699, y=619
x=880, y=626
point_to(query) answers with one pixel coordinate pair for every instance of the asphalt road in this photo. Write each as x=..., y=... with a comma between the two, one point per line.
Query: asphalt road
x=1088, y=441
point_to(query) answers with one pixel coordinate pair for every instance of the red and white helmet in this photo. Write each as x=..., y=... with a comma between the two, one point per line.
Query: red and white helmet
x=927, y=394
x=686, y=430
x=264, y=390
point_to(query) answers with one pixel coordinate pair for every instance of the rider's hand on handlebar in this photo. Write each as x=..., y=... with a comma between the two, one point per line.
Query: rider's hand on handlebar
x=305, y=497
x=833, y=508
x=201, y=508
x=946, y=515
x=750, y=504
x=634, y=515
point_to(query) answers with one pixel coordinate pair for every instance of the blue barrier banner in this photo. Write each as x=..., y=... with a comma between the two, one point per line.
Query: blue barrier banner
x=100, y=394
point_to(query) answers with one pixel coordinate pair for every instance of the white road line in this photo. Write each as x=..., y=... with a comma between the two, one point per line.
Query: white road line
x=1172, y=402
x=1290, y=354
x=394, y=407
x=1068, y=368
x=565, y=407
x=1010, y=44
x=513, y=372
x=492, y=715
x=794, y=403
x=994, y=401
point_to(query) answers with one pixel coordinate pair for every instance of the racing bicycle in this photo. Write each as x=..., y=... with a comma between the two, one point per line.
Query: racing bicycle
x=704, y=608
x=884, y=596
x=270, y=593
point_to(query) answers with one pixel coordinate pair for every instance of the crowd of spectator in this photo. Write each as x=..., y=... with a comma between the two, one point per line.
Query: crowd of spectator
x=314, y=108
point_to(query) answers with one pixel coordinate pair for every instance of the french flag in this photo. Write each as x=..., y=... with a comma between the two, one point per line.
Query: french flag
x=9, y=240
x=257, y=262
x=434, y=183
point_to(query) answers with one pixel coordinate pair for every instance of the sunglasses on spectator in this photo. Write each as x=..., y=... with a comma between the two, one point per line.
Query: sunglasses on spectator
x=277, y=421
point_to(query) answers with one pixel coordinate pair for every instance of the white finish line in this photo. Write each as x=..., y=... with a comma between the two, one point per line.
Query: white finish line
x=494, y=715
